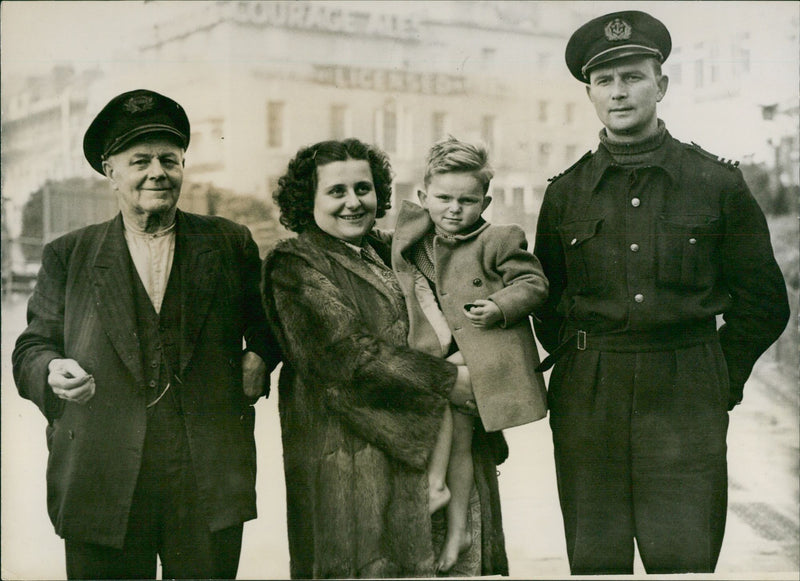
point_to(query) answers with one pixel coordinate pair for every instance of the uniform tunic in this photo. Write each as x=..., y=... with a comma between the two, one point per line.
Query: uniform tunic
x=640, y=261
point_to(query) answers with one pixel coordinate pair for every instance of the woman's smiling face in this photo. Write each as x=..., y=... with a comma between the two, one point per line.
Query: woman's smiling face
x=345, y=202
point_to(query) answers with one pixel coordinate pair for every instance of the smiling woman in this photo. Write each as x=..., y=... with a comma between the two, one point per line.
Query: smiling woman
x=359, y=410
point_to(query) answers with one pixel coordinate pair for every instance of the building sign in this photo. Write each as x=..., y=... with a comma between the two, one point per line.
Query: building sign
x=325, y=17
x=390, y=81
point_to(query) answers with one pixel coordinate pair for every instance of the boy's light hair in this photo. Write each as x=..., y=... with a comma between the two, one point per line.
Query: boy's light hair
x=453, y=156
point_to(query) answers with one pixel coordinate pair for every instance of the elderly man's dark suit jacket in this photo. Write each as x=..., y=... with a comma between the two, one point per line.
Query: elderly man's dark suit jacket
x=83, y=308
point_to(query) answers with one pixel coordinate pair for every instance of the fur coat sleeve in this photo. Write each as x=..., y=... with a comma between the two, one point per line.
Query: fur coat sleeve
x=346, y=338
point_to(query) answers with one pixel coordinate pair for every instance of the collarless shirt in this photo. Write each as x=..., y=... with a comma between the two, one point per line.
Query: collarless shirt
x=152, y=255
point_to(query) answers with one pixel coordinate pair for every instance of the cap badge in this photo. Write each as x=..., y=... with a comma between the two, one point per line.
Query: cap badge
x=618, y=29
x=139, y=104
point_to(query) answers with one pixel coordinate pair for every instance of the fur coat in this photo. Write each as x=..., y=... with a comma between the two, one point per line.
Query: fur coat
x=360, y=413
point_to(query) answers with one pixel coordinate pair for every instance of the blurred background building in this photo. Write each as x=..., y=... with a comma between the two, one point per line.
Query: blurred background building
x=261, y=79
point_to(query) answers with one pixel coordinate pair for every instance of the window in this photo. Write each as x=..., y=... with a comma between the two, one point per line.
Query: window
x=439, y=125
x=518, y=195
x=488, y=131
x=543, y=111
x=714, y=58
x=699, y=65
x=569, y=113
x=275, y=123
x=390, y=131
x=498, y=196
x=544, y=154
x=339, y=122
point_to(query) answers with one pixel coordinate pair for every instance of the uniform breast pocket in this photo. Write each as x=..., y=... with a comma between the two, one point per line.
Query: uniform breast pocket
x=578, y=238
x=686, y=251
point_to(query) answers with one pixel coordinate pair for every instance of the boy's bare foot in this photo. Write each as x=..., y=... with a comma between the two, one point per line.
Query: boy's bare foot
x=438, y=497
x=455, y=543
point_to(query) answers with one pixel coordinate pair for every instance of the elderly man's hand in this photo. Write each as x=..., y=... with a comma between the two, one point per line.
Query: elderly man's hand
x=254, y=375
x=69, y=381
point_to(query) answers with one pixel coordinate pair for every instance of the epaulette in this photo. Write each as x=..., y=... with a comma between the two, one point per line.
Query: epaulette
x=729, y=163
x=586, y=156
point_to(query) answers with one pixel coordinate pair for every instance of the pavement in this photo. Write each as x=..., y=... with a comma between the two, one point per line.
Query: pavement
x=762, y=540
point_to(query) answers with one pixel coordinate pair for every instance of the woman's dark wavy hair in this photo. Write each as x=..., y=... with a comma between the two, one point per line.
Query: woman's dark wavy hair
x=296, y=188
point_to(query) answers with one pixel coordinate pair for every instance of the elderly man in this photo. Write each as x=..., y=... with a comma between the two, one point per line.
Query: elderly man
x=644, y=242
x=133, y=353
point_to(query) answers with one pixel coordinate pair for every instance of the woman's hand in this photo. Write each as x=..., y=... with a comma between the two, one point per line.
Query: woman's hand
x=461, y=396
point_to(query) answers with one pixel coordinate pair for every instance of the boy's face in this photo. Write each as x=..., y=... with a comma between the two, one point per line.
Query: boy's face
x=454, y=201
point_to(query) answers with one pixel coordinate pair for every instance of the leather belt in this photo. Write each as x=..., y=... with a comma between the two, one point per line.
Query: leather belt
x=664, y=338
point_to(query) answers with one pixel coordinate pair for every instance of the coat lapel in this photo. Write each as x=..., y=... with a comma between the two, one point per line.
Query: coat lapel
x=113, y=286
x=348, y=259
x=200, y=268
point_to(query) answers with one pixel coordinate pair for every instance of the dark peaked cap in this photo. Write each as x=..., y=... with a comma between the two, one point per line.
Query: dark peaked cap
x=614, y=36
x=128, y=117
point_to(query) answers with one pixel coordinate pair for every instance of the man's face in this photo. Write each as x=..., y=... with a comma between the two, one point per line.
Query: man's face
x=147, y=177
x=454, y=201
x=624, y=94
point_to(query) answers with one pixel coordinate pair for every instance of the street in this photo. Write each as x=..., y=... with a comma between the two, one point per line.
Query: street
x=762, y=530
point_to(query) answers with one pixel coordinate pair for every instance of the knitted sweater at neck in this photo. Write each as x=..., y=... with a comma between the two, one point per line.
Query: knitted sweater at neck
x=638, y=153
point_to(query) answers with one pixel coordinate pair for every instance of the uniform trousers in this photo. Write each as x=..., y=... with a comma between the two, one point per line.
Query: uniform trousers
x=166, y=518
x=640, y=451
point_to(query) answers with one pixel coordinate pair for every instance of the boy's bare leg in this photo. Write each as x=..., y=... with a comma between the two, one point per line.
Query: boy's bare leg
x=460, y=481
x=438, y=493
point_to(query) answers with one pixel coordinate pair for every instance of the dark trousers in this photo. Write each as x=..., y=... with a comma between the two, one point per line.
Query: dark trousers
x=166, y=518
x=640, y=454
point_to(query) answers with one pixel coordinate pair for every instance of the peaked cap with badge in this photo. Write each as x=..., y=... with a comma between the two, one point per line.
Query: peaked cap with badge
x=615, y=36
x=130, y=116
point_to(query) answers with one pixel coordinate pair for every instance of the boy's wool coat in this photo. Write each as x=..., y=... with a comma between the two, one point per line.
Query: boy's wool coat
x=488, y=263
x=360, y=413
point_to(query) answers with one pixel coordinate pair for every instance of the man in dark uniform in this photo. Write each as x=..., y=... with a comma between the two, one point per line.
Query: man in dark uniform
x=133, y=353
x=644, y=242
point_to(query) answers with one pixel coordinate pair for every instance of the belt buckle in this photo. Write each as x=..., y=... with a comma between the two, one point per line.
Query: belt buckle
x=581, y=340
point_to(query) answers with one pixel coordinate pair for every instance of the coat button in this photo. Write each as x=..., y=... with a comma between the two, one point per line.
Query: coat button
x=71, y=435
x=639, y=298
x=152, y=383
x=477, y=282
x=573, y=242
x=693, y=241
x=634, y=247
x=636, y=202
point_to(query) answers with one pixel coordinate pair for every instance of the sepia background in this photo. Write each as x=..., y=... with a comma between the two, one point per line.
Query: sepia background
x=261, y=79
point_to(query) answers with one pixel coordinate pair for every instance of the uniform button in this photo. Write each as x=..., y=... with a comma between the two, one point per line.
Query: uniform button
x=152, y=383
x=639, y=298
x=635, y=202
x=71, y=435
x=154, y=364
x=477, y=282
x=634, y=247
x=573, y=242
x=692, y=240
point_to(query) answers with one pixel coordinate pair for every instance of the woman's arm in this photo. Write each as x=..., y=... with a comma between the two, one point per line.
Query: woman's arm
x=389, y=395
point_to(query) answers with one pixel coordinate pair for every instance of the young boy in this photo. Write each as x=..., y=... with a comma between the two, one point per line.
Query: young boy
x=469, y=287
